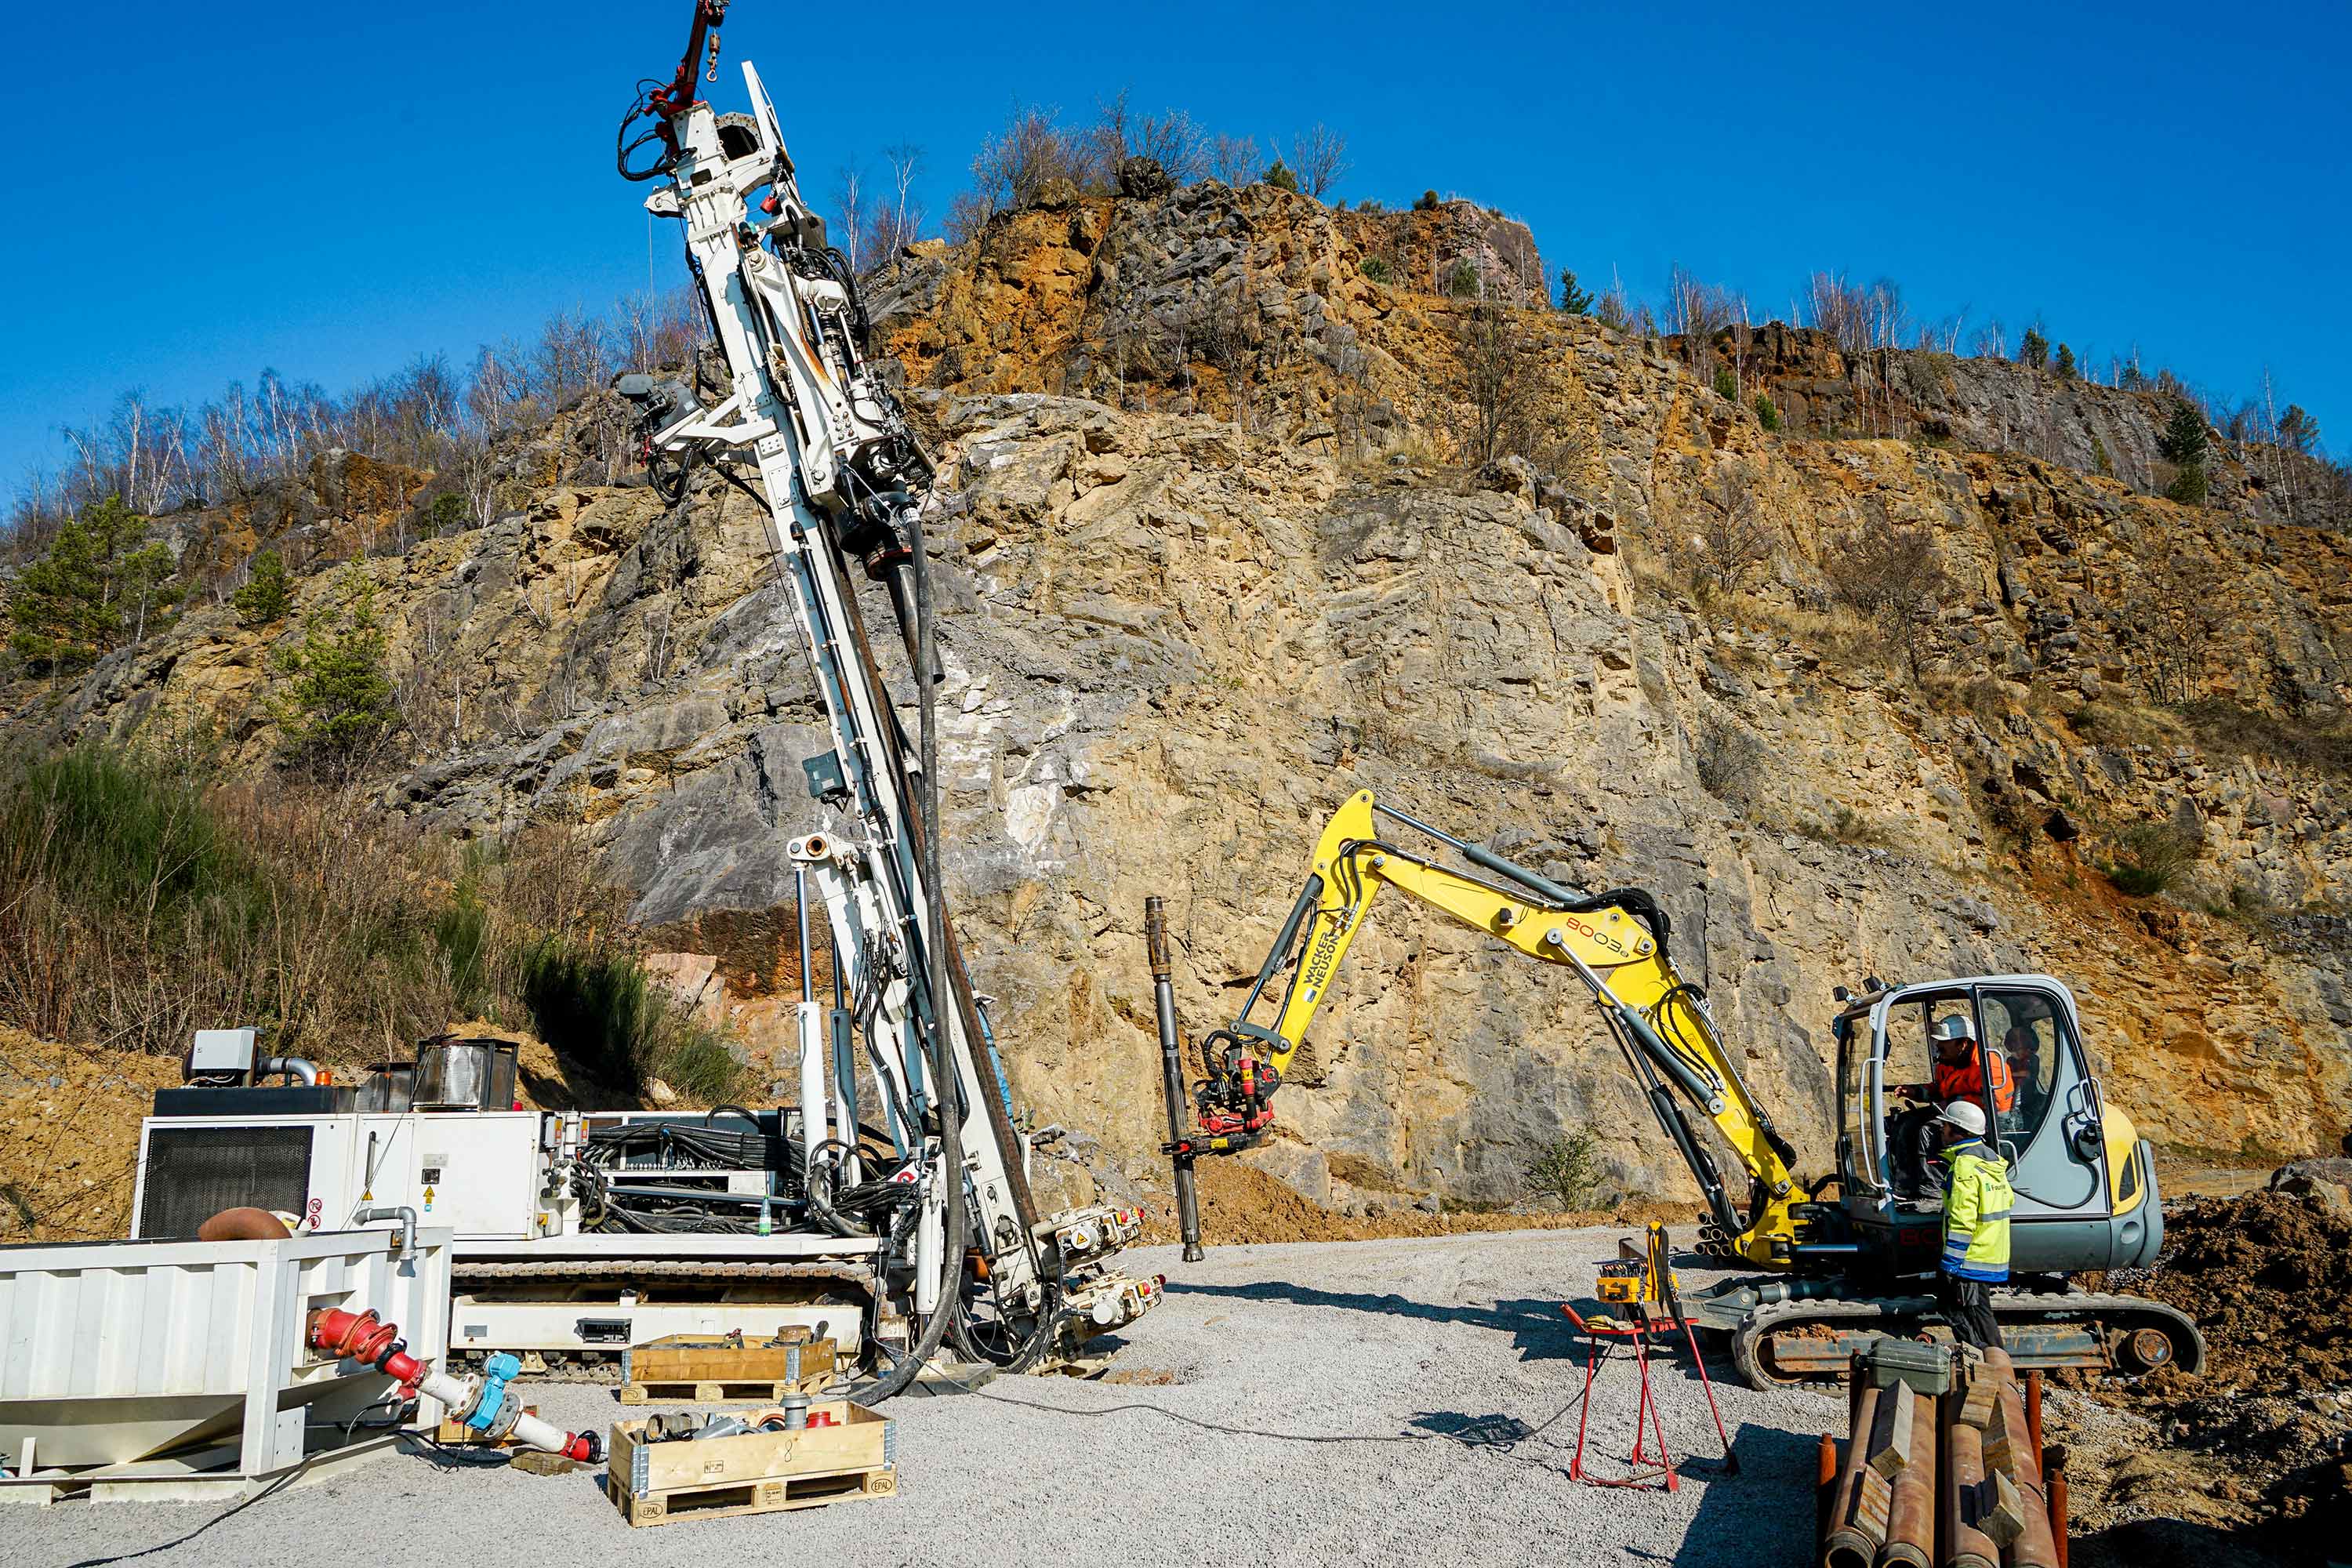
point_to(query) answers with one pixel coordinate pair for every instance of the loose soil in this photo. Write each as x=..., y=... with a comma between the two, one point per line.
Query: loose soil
x=1240, y=1206
x=69, y=1136
x=2249, y=1456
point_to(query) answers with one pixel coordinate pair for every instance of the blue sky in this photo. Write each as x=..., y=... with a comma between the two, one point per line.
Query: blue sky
x=204, y=191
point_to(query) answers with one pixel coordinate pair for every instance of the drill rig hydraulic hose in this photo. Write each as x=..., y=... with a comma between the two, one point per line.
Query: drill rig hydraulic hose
x=942, y=1060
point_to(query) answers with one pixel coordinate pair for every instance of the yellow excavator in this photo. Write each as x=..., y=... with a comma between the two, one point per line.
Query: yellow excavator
x=1851, y=1267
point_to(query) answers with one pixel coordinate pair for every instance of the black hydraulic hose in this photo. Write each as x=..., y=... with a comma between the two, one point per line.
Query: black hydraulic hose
x=934, y=981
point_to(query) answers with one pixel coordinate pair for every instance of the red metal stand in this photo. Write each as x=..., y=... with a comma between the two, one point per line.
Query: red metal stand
x=1647, y=1422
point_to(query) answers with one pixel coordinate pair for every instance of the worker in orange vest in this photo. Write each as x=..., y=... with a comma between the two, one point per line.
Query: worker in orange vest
x=1960, y=1069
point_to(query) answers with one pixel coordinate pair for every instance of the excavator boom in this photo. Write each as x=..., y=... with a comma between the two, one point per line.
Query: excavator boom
x=1616, y=942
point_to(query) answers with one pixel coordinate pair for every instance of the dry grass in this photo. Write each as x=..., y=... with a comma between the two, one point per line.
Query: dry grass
x=140, y=902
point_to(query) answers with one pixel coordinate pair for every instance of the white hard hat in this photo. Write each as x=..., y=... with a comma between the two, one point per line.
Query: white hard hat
x=1958, y=1026
x=1967, y=1115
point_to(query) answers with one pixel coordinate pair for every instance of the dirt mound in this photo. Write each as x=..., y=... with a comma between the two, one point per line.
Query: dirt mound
x=69, y=1136
x=2268, y=1277
x=1240, y=1204
x=2260, y=1436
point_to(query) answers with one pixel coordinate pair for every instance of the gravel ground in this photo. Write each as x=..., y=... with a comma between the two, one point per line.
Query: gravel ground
x=1438, y=1341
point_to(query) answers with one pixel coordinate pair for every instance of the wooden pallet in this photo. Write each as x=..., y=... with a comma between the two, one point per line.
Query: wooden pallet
x=851, y=1454
x=730, y=1393
x=732, y=1499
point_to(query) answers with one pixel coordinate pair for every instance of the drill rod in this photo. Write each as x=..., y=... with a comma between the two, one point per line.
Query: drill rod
x=1171, y=1073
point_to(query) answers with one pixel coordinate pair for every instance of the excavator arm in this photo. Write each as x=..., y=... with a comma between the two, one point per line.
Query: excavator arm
x=1616, y=944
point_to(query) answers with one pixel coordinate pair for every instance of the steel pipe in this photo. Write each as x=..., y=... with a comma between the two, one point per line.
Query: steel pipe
x=1171, y=1072
x=2036, y=1546
x=1911, y=1512
x=1960, y=1543
x=2053, y=1467
x=1846, y=1544
x=406, y=1215
x=1825, y=1481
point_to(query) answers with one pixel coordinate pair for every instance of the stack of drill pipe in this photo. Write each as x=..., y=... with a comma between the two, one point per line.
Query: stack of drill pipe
x=2036, y=1544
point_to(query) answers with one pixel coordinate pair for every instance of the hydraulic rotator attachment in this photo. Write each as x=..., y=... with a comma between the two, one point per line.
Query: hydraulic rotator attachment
x=484, y=1402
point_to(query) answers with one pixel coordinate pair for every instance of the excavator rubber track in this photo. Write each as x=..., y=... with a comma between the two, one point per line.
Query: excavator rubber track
x=1781, y=1343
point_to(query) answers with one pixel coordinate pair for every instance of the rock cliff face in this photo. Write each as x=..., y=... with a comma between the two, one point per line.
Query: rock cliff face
x=1199, y=587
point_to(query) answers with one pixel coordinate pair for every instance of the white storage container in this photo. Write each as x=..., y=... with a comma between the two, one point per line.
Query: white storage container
x=178, y=1368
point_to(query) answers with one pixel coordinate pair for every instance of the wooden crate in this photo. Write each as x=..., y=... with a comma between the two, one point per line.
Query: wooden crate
x=699, y=1368
x=759, y=1472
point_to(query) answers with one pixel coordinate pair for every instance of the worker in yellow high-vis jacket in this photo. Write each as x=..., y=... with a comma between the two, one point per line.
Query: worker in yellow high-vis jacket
x=1976, y=1199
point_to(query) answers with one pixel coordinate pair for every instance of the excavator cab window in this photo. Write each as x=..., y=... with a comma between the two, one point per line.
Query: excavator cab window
x=2023, y=1027
x=1912, y=1137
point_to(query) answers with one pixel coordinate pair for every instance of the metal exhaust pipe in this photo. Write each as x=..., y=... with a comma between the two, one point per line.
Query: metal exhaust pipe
x=1172, y=1074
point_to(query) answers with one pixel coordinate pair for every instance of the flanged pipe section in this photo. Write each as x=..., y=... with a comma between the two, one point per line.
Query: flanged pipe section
x=486, y=1406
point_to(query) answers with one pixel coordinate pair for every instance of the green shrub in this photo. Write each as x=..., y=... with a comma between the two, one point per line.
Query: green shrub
x=602, y=1009
x=1726, y=383
x=1378, y=270
x=1461, y=281
x=2151, y=856
x=447, y=513
x=1767, y=414
x=339, y=706
x=1574, y=300
x=1428, y=202
x=1567, y=1168
x=267, y=593
x=1280, y=177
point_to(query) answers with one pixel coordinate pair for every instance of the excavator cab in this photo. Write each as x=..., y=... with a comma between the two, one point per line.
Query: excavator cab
x=2085, y=1179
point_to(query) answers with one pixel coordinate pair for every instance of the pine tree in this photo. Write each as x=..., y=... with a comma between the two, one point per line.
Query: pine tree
x=2183, y=445
x=1767, y=415
x=99, y=584
x=339, y=705
x=1573, y=301
x=1281, y=178
x=2065, y=366
x=2298, y=432
x=2183, y=441
x=267, y=593
x=2033, y=349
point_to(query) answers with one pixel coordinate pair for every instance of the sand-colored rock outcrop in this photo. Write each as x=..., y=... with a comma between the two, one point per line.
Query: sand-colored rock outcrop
x=1196, y=594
